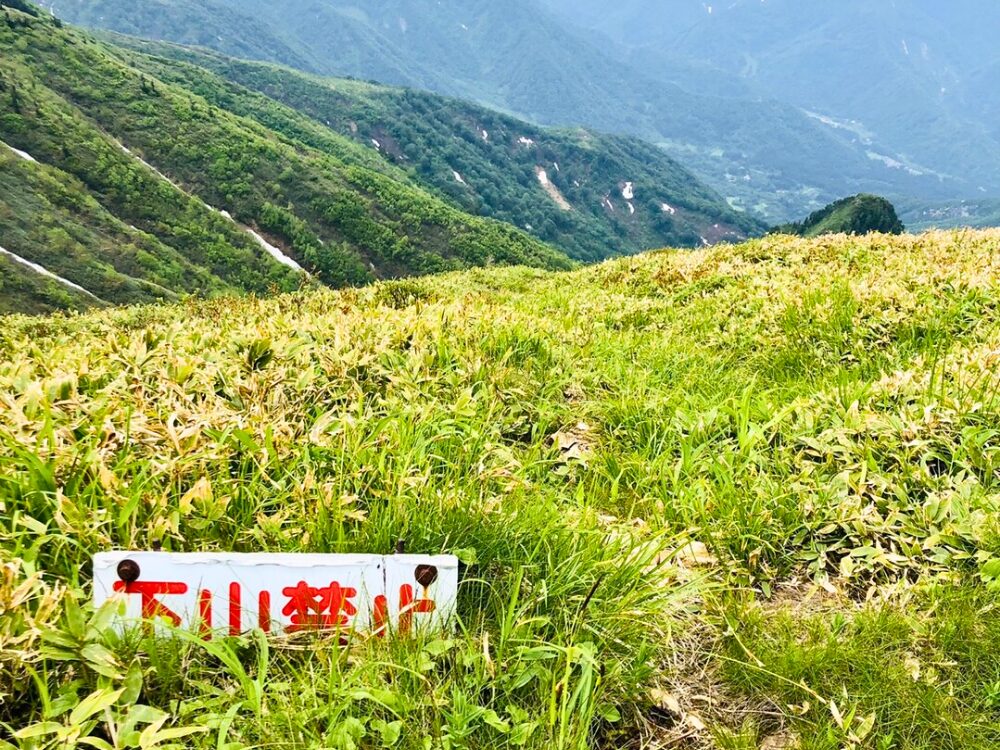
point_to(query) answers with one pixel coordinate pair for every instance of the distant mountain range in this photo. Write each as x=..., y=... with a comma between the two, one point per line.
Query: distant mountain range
x=762, y=152
x=916, y=82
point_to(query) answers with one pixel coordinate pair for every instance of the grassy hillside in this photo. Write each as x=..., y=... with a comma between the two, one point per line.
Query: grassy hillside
x=739, y=497
x=487, y=163
x=167, y=187
x=770, y=157
x=859, y=214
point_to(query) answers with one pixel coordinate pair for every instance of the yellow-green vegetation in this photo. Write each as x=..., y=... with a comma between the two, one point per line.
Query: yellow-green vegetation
x=740, y=497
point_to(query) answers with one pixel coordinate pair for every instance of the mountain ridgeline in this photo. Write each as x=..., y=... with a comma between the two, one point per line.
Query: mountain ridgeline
x=592, y=195
x=858, y=215
x=204, y=200
x=766, y=154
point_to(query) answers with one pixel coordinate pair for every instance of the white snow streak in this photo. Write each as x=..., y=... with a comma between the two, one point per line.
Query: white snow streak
x=553, y=192
x=23, y=154
x=148, y=166
x=628, y=192
x=46, y=272
x=274, y=252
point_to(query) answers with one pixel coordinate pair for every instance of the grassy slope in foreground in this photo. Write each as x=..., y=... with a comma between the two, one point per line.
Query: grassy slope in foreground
x=817, y=418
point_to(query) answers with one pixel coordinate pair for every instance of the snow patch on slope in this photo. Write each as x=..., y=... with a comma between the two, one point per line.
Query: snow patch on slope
x=893, y=163
x=852, y=126
x=274, y=252
x=458, y=178
x=149, y=166
x=628, y=192
x=23, y=154
x=47, y=273
x=668, y=209
x=552, y=190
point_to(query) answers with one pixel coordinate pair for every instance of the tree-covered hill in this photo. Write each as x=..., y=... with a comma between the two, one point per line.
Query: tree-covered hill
x=592, y=195
x=142, y=189
x=859, y=214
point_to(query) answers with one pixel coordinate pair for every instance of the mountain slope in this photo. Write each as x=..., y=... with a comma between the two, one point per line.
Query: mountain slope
x=205, y=177
x=590, y=194
x=761, y=154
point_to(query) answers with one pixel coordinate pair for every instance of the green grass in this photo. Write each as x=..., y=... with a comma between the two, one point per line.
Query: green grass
x=780, y=520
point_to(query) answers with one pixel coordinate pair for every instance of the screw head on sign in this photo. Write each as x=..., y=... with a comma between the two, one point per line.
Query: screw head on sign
x=128, y=571
x=426, y=575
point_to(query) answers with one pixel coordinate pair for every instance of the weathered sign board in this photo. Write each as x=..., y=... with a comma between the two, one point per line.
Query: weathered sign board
x=229, y=594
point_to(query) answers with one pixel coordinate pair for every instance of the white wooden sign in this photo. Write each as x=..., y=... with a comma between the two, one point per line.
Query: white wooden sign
x=230, y=594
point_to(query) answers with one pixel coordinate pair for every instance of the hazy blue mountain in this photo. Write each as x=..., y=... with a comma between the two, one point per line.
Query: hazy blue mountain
x=514, y=55
x=915, y=80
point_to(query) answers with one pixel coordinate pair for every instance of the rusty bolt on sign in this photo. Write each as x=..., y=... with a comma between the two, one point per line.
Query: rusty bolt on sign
x=128, y=571
x=426, y=575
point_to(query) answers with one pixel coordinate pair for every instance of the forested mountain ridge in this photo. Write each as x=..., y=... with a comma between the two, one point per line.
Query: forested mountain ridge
x=855, y=215
x=144, y=190
x=763, y=155
x=590, y=194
